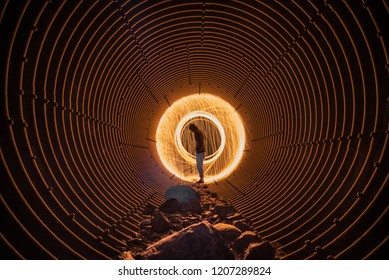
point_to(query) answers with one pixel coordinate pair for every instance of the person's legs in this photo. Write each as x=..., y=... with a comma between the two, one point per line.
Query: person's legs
x=199, y=162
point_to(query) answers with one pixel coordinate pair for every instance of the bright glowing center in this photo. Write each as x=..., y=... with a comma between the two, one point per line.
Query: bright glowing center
x=188, y=156
x=223, y=132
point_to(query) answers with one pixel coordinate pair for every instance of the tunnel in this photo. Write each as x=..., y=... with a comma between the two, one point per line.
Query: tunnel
x=85, y=83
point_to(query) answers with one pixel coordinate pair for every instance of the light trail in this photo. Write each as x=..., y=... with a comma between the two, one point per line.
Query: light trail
x=223, y=132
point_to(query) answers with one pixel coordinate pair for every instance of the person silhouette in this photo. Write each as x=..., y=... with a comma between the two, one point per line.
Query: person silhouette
x=200, y=150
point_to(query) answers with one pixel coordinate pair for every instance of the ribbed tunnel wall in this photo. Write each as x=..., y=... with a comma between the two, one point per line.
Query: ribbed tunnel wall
x=84, y=83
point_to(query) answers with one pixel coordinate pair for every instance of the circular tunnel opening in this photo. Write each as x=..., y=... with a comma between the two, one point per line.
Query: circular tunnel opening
x=223, y=131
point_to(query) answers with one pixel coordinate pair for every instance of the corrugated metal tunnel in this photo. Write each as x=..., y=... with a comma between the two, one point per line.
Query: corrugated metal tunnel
x=84, y=84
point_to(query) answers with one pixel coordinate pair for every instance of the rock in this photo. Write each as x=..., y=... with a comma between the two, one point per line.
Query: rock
x=170, y=206
x=206, y=206
x=214, y=195
x=160, y=223
x=188, y=199
x=145, y=223
x=206, y=214
x=193, y=206
x=241, y=225
x=260, y=251
x=199, y=241
x=228, y=233
x=244, y=240
x=149, y=209
x=177, y=227
x=134, y=241
x=223, y=210
x=194, y=218
x=233, y=217
x=214, y=217
x=174, y=219
x=183, y=194
x=144, y=233
x=187, y=223
x=153, y=237
x=127, y=256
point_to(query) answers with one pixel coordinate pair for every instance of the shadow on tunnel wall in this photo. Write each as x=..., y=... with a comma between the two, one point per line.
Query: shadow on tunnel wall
x=83, y=84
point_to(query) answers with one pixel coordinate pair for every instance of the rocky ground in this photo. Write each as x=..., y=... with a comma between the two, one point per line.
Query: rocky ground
x=194, y=223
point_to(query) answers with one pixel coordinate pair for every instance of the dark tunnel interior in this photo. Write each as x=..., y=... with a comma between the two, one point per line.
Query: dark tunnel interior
x=84, y=84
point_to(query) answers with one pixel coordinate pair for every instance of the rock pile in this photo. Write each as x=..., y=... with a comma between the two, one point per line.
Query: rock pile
x=194, y=223
x=196, y=242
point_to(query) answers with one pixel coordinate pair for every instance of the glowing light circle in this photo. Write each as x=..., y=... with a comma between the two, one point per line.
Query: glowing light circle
x=223, y=130
x=188, y=156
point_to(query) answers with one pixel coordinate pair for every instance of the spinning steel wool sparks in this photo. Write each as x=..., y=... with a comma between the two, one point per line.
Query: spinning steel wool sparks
x=224, y=137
